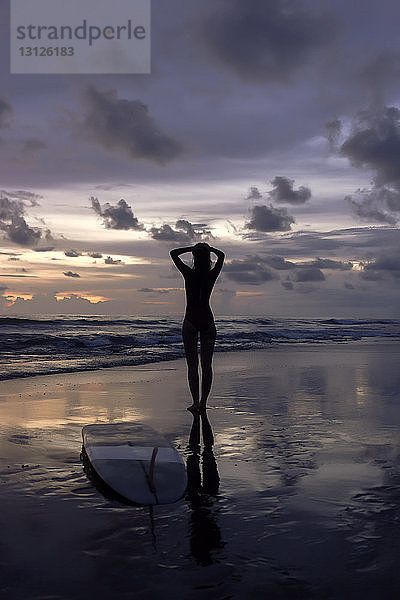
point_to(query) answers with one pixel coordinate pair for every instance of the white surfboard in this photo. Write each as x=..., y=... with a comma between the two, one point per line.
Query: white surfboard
x=136, y=462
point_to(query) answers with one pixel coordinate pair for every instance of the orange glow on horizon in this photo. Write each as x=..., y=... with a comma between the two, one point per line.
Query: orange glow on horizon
x=13, y=297
x=92, y=298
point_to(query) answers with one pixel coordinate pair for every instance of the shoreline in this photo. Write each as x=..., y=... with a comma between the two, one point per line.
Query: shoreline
x=302, y=480
x=274, y=346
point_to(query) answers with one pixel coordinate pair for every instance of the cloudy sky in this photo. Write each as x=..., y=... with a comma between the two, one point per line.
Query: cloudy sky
x=269, y=128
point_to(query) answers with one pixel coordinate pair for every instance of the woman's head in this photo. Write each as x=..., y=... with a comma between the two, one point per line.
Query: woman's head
x=201, y=257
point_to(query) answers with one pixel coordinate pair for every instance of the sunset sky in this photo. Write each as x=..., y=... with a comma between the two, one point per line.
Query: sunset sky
x=269, y=128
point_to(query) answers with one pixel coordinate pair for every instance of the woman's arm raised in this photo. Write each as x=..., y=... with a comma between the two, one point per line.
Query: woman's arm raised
x=219, y=262
x=178, y=262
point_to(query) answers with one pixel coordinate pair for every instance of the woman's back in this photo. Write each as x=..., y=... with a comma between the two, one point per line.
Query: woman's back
x=198, y=286
x=199, y=282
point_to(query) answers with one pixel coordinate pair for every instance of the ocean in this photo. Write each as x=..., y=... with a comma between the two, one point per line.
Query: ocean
x=54, y=344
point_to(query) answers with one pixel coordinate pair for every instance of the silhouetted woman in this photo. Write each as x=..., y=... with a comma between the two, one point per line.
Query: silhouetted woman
x=199, y=319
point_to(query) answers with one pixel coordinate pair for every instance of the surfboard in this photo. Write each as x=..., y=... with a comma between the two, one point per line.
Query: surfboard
x=135, y=461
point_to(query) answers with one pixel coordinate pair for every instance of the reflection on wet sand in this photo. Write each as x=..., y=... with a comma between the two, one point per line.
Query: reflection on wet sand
x=203, y=484
x=307, y=483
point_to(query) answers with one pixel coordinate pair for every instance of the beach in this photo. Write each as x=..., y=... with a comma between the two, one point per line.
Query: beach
x=299, y=496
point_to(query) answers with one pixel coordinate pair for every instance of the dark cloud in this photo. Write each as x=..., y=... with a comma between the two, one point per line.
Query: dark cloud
x=10, y=208
x=385, y=263
x=125, y=125
x=265, y=41
x=165, y=233
x=250, y=270
x=350, y=243
x=328, y=263
x=112, y=261
x=306, y=243
x=254, y=193
x=186, y=226
x=367, y=211
x=279, y=263
x=374, y=204
x=147, y=290
x=283, y=191
x=374, y=143
x=73, y=253
x=350, y=239
x=391, y=198
x=19, y=232
x=12, y=222
x=6, y=110
x=30, y=197
x=111, y=186
x=268, y=218
x=333, y=131
x=304, y=268
x=14, y=275
x=116, y=217
x=379, y=74
x=45, y=249
x=195, y=231
x=184, y=232
x=71, y=274
x=370, y=276
x=309, y=274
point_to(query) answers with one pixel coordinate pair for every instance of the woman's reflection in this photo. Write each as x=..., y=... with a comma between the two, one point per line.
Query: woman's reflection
x=205, y=535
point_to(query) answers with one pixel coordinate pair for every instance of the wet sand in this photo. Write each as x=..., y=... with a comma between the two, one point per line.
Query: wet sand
x=299, y=497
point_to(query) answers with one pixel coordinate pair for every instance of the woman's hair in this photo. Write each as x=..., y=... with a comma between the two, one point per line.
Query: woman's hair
x=201, y=257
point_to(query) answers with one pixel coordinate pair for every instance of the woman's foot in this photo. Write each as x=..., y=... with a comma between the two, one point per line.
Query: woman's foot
x=194, y=409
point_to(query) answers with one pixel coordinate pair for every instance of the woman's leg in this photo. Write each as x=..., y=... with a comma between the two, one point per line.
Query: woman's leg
x=190, y=338
x=207, y=343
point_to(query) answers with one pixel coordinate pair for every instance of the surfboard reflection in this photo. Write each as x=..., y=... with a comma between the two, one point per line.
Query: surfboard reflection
x=205, y=534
